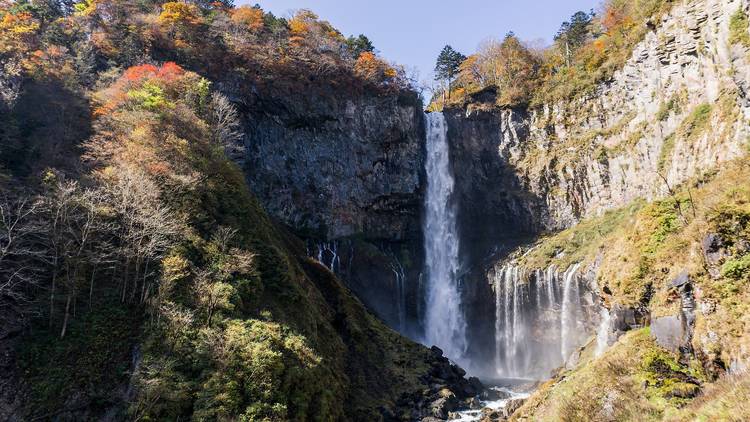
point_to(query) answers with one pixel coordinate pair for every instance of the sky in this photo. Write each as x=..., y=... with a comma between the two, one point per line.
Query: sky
x=412, y=32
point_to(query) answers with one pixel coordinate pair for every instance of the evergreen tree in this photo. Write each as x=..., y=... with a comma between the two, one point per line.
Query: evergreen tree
x=447, y=66
x=574, y=34
x=359, y=45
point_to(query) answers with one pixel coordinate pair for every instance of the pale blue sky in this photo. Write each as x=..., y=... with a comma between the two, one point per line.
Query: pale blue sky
x=412, y=32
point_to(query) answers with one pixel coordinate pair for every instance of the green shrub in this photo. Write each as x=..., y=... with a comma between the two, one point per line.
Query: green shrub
x=736, y=268
x=738, y=29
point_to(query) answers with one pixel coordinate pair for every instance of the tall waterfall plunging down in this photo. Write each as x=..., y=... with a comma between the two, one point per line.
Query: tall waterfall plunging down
x=444, y=322
x=539, y=320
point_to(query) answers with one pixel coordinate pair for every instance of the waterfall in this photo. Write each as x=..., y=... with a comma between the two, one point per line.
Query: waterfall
x=568, y=312
x=328, y=255
x=444, y=322
x=602, y=333
x=537, y=326
x=398, y=272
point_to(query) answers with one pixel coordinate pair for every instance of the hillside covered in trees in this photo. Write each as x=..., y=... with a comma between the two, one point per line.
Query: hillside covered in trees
x=587, y=50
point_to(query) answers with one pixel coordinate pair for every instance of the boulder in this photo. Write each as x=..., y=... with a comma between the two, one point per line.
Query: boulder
x=491, y=415
x=668, y=332
x=473, y=403
x=491, y=394
x=442, y=406
x=625, y=319
x=512, y=406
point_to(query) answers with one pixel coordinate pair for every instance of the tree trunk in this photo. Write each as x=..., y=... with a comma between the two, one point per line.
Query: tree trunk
x=67, y=315
x=52, y=293
x=91, y=285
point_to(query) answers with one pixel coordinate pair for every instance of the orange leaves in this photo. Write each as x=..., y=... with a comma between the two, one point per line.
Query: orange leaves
x=180, y=14
x=249, y=17
x=301, y=24
x=19, y=23
x=137, y=73
x=17, y=31
x=169, y=71
x=373, y=69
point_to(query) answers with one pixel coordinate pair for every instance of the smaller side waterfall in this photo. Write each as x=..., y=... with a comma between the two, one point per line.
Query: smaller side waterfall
x=571, y=304
x=602, y=333
x=327, y=254
x=400, y=279
x=540, y=318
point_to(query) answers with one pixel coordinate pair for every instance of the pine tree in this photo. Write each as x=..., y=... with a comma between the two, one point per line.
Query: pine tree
x=448, y=64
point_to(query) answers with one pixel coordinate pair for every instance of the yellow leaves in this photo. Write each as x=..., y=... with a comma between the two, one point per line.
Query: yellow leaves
x=86, y=7
x=19, y=23
x=179, y=13
x=16, y=32
x=249, y=17
x=301, y=24
x=373, y=69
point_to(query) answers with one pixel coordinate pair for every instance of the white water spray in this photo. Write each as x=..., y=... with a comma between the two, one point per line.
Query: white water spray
x=570, y=304
x=602, y=333
x=444, y=321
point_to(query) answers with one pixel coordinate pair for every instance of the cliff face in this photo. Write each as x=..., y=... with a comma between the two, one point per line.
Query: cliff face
x=345, y=173
x=679, y=107
x=352, y=168
x=677, y=110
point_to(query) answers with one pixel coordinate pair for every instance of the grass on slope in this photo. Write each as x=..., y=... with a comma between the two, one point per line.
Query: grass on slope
x=640, y=250
x=635, y=380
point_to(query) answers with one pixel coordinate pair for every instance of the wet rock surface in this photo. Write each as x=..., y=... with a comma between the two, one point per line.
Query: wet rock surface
x=449, y=391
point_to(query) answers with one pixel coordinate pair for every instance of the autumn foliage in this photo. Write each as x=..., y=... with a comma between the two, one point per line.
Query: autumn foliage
x=587, y=50
x=249, y=17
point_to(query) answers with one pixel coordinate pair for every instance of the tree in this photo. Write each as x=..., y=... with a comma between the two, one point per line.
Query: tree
x=373, y=69
x=20, y=251
x=359, y=45
x=248, y=17
x=574, y=34
x=447, y=66
x=226, y=126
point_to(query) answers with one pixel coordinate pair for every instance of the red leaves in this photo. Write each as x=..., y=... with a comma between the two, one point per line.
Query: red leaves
x=140, y=72
x=133, y=78
x=169, y=71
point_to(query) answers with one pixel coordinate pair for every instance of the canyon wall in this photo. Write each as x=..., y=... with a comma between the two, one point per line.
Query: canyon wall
x=346, y=174
x=677, y=110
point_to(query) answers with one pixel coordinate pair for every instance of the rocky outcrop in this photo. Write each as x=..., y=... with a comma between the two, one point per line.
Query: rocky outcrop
x=548, y=167
x=676, y=110
x=345, y=173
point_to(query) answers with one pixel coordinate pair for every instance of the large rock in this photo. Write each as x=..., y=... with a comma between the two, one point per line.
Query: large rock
x=668, y=332
x=512, y=406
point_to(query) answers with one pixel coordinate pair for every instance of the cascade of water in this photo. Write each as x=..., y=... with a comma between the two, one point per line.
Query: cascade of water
x=568, y=311
x=551, y=275
x=444, y=322
x=536, y=325
x=328, y=255
x=398, y=272
x=602, y=333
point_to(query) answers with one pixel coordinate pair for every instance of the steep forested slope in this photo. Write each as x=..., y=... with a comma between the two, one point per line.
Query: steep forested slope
x=141, y=278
